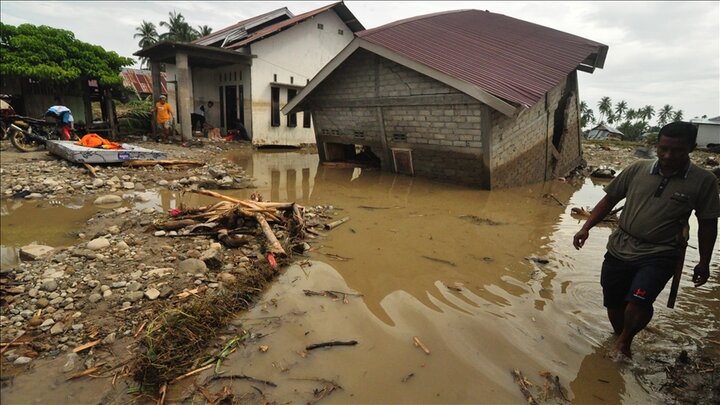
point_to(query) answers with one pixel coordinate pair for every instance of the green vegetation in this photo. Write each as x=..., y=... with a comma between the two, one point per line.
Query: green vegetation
x=55, y=55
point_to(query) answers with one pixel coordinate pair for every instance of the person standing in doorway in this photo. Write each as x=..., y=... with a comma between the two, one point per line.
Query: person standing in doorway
x=643, y=253
x=163, y=118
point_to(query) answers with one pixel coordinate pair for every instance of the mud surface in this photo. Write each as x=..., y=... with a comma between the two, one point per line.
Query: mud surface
x=488, y=282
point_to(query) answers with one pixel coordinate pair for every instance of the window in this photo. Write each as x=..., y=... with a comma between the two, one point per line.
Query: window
x=306, y=119
x=320, y=26
x=292, y=79
x=400, y=137
x=275, y=78
x=275, y=106
x=340, y=32
x=291, y=118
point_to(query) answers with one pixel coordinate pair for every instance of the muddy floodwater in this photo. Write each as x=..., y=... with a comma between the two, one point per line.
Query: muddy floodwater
x=487, y=281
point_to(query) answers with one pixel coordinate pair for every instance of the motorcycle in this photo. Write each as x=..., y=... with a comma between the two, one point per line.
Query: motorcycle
x=28, y=134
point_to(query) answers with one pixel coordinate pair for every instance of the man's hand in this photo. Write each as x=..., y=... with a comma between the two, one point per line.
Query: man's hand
x=580, y=238
x=701, y=274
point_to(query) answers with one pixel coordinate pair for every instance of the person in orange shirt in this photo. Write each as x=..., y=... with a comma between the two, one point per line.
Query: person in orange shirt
x=163, y=118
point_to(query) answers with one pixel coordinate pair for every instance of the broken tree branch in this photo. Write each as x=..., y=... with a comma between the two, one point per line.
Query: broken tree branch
x=333, y=343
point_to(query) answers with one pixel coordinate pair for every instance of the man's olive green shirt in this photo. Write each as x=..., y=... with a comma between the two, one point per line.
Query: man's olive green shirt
x=657, y=206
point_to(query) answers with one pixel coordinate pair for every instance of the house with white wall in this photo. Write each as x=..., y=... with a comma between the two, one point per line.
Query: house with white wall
x=251, y=69
x=708, y=135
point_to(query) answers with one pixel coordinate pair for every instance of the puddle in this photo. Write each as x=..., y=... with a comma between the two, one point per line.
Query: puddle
x=489, y=281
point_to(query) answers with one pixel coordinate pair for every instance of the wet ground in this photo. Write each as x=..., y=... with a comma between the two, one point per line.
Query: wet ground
x=487, y=281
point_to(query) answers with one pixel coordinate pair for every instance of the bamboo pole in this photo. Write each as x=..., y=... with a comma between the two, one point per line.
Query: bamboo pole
x=337, y=223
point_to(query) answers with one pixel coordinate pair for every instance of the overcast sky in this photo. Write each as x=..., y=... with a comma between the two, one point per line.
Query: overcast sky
x=660, y=52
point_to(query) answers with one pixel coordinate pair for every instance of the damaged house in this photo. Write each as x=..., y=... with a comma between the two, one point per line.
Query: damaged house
x=468, y=96
x=251, y=69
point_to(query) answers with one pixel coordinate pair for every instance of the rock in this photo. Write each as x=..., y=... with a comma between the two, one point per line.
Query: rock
x=227, y=278
x=118, y=284
x=135, y=296
x=78, y=326
x=711, y=161
x=57, y=328
x=95, y=297
x=108, y=200
x=160, y=233
x=162, y=182
x=22, y=360
x=212, y=259
x=98, y=244
x=122, y=245
x=133, y=286
x=159, y=272
x=109, y=339
x=98, y=183
x=107, y=293
x=192, y=266
x=42, y=302
x=50, y=285
x=165, y=291
x=114, y=230
x=34, y=252
x=152, y=294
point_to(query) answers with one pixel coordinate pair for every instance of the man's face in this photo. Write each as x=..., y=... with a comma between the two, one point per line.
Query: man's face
x=162, y=101
x=673, y=153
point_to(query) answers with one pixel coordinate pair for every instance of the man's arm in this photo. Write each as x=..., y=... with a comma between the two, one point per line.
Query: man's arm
x=602, y=208
x=707, y=234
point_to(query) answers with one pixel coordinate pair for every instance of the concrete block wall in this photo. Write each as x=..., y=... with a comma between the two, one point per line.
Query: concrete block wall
x=520, y=150
x=434, y=130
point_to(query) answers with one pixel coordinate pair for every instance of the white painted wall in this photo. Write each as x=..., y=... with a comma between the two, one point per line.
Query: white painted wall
x=707, y=134
x=298, y=52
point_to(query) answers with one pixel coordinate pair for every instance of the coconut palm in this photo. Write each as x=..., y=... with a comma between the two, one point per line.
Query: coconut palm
x=647, y=112
x=630, y=114
x=605, y=108
x=620, y=109
x=178, y=29
x=148, y=36
x=204, y=30
x=665, y=114
x=677, y=116
x=587, y=115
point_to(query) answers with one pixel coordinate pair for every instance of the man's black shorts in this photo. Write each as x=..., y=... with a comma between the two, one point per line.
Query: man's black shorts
x=639, y=280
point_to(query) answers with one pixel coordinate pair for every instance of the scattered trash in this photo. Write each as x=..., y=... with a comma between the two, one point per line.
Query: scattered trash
x=420, y=344
x=337, y=223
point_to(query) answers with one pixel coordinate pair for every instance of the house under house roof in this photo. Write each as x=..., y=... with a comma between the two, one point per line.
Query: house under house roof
x=465, y=96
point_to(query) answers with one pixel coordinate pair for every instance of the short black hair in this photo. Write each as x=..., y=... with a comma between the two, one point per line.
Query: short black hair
x=680, y=129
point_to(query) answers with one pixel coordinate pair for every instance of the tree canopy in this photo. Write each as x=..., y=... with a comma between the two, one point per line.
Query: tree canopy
x=46, y=53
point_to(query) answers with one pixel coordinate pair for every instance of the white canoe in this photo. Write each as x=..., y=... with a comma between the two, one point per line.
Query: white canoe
x=69, y=150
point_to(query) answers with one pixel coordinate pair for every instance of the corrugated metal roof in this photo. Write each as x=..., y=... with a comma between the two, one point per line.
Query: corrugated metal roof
x=352, y=23
x=141, y=80
x=509, y=58
x=220, y=34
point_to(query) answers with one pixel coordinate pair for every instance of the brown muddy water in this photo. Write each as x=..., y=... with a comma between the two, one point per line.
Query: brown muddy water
x=488, y=281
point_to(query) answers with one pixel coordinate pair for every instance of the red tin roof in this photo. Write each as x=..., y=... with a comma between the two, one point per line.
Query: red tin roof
x=506, y=57
x=141, y=80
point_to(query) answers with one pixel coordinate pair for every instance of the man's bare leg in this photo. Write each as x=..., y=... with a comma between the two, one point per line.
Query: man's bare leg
x=636, y=319
x=616, y=315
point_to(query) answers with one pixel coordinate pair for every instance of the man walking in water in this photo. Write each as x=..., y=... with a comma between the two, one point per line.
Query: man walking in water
x=643, y=252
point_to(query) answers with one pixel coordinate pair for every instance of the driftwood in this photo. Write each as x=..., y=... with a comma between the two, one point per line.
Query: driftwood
x=524, y=384
x=329, y=344
x=90, y=169
x=337, y=223
x=420, y=344
x=143, y=163
x=174, y=225
x=275, y=246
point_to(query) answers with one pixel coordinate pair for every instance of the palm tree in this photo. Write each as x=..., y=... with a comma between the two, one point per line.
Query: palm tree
x=605, y=107
x=631, y=114
x=677, y=116
x=620, y=109
x=148, y=36
x=587, y=115
x=665, y=114
x=204, y=30
x=647, y=112
x=178, y=29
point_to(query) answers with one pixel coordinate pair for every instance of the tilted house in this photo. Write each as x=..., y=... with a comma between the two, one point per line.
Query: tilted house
x=708, y=135
x=604, y=131
x=251, y=69
x=465, y=96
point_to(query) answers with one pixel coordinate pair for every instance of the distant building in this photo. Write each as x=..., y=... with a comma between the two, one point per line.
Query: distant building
x=140, y=81
x=467, y=96
x=708, y=131
x=604, y=131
